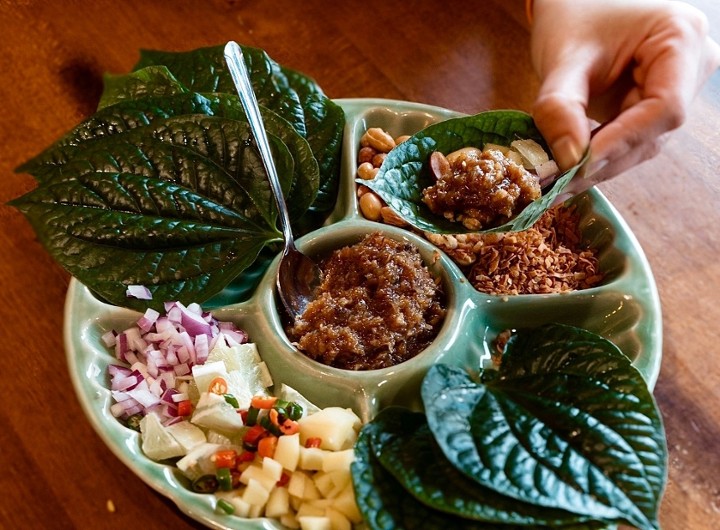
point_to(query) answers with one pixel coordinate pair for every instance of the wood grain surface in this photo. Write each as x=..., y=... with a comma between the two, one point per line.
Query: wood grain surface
x=55, y=472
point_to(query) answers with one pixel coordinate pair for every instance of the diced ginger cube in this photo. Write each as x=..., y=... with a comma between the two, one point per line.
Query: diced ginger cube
x=272, y=469
x=311, y=492
x=278, y=503
x=256, y=472
x=296, y=484
x=309, y=509
x=338, y=521
x=287, y=451
x=255, y=493
x=256, y=510
x=345, y=503
x=340, y=479
x=289, y=520
x=242, y=508
x=295, y=502
x=336, y=427
x=324, y=483
x=314, y=523
x=311, y=458
x=338, y=460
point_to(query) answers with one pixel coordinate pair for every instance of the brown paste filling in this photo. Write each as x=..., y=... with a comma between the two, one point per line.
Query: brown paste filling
x=481, y=189
x=378, y=305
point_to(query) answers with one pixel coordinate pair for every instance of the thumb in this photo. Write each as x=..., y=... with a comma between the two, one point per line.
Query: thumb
x=560, y=113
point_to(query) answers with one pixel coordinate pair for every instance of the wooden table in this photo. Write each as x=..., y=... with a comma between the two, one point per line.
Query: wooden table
x=55, y=471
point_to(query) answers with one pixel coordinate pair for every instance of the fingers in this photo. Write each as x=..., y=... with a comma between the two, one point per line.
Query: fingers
x=560, y=114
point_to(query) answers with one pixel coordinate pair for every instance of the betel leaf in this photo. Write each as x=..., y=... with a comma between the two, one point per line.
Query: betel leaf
x=174, y=208
x=152, y=81
x=384, y=504
x=204, y=70
x=300, y=186
x=290, y=94
x=404, y=174
x=324, y=123
x=123, y=229
x=406, y=447
x=567, y=422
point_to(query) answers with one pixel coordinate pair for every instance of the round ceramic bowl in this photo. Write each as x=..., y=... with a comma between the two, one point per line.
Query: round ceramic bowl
x=625, y=309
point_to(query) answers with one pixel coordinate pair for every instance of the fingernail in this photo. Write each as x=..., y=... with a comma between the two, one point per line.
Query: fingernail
x=567, y=152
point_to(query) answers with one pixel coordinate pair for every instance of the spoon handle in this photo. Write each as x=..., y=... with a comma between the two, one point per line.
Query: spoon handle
x=241, y=78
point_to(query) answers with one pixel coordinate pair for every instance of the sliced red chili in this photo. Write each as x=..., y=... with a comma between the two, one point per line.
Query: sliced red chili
x=218, y=386
x=225, y=458
x=184, y=407
x=313, y=442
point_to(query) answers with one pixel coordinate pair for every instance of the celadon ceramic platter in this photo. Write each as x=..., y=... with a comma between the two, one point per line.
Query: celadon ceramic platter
x=624, y=309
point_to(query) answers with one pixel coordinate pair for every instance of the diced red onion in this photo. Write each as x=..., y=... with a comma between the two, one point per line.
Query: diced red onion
x=148, y=319
x=160, y=351
x=138, y=291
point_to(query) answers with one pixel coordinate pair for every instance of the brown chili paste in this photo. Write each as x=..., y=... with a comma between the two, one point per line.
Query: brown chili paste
x=378, y=306
x=481, y=189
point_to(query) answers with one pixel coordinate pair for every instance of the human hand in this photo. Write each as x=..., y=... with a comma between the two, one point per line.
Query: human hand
x=633, y=65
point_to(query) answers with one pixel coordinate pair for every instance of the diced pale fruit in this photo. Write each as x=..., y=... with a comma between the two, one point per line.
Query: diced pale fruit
x=324, y=483
x=203, y=374
x=187, y=435
x=331, y=483
x=256, y=473
x=345, y=504
x=336, y=427
x=290, y=521
x=338, y=521
x=255, y=493
x=302, y=486
x=197, y=462
x=314, y=523
x=338, y=460
x=296, y=484
x=214, y=413
x=272, y=468
x=309, y=509
x=311, y=458
x=287, y=452
x=242, y=508
x=278, y=503
x=157, y=443
x=256, y=510
x=236, y=357
x=288, y=393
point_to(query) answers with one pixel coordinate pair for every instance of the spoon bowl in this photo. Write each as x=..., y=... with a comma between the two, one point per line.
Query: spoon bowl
x=298, y=275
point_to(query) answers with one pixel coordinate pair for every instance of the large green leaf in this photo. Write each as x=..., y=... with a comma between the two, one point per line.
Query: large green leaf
x=290, y=94
x=204, y=70
x=384, y=504
x=152, y=81
x=324, y=123
x=567, y=422
x=404, y=174
x=406, y=447
x=155, y=126
x=177, y=210
x=299, y=185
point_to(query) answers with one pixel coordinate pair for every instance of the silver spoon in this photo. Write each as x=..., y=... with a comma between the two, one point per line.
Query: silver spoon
x=298, y=275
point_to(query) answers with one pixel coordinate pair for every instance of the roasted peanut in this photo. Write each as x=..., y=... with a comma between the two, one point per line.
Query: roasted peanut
x=370, y=206
x=439, y=165
x=390, y=217
x=378, y=159
x=367, y=171
x=401, y=139
x=366, y=154
x=378, y=139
